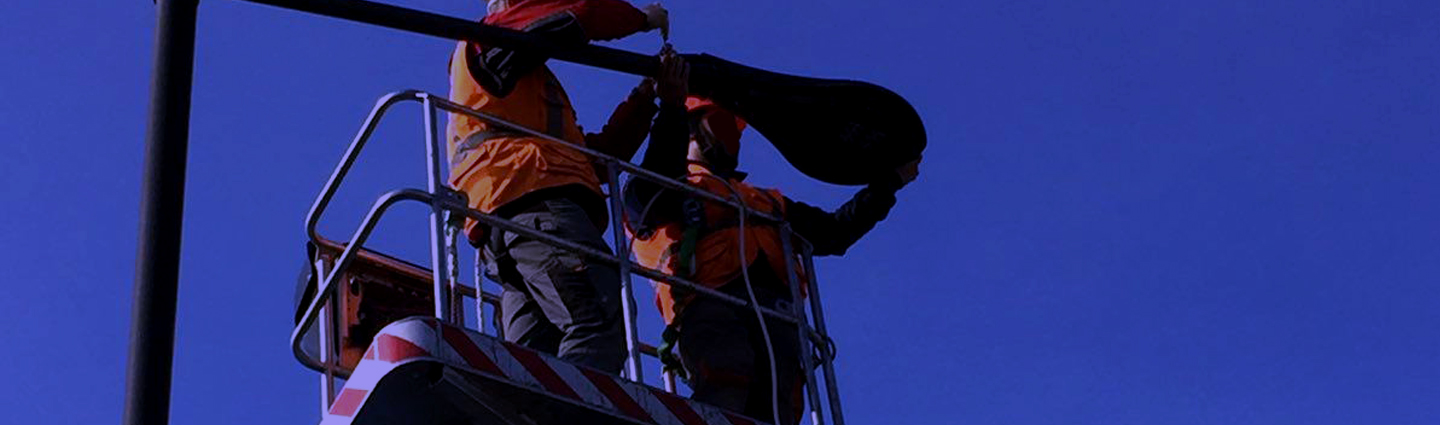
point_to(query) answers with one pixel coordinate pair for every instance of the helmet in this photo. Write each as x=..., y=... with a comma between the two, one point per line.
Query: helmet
x=708, y=118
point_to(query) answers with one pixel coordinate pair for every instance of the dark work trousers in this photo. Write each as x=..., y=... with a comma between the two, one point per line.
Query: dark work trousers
x=723, y=352
x=557, y=301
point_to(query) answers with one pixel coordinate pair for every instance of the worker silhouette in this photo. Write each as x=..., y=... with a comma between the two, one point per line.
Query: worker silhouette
x=553, y=300
x=722, y=350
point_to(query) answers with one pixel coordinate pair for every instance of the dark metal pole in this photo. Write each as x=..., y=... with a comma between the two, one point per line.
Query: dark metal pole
x=157, y=262
x=421, y=22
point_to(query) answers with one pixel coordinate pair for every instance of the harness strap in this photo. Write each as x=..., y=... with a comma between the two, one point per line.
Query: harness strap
x=666, y=351
x=695, y=227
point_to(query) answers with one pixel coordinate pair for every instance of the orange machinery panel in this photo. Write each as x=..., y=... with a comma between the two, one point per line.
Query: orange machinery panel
x=376, y=290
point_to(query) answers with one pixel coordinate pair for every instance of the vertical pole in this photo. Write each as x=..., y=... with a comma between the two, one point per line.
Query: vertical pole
x=798, y=310
x=479, y=290
x=326, y=337
x=627, y=289
x=157, y=262
x=832, y=389
x=436, y=186
x=453, y=225
x=669, y=379
x=327, y=379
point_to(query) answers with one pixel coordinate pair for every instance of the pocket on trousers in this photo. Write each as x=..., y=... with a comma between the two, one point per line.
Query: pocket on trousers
x=541, y=222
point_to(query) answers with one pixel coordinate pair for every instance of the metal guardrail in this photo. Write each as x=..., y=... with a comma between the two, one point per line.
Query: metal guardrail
x=447, y=205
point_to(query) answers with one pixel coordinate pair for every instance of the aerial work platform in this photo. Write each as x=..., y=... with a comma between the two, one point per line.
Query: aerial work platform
x=388, y=335
x=839, y=131
x=422, y=371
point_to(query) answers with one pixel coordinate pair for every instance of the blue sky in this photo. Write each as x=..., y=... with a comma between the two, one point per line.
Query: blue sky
x=1131, y=212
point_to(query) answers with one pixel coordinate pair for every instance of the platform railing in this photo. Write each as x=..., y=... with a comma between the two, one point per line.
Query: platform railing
x=448, y=208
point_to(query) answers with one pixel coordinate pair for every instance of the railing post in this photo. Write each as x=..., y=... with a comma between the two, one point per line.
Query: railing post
x=437, y=187
x=627, y=290
x=479, y=290
x=325, y=341
x=669, y=379
x=453, y=223
x=832, y=389
x=802, y=325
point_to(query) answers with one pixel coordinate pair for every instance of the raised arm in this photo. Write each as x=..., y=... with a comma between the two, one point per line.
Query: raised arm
x=623, y=134
x=647, y=202
x=611, y=19
x=833, y=233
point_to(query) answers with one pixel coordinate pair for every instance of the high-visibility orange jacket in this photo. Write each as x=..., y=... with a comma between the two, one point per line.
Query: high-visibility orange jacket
x=717, y=258
x=495, y=167
x=657, y=221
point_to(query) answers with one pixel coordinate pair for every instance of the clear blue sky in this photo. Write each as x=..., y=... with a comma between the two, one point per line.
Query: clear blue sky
x=1131, y=212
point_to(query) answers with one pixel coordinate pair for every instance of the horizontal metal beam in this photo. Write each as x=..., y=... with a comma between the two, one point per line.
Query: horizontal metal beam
x=653, y=177
x=382, y=106
x=485, y=297
x=432, y=24
x=326, y=289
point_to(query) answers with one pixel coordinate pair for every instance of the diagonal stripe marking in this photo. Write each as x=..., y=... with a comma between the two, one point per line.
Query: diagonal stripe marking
x=468, y=351
x=393, y=349
x=541, y=371
x=617, y=395
x=348, y=402
x=679, y=407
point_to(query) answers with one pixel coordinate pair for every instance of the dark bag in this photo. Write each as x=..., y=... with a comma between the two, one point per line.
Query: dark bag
x=836, y=131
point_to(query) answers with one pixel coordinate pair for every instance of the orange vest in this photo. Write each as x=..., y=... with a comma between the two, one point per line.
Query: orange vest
x=716, y=259
x=507, y=166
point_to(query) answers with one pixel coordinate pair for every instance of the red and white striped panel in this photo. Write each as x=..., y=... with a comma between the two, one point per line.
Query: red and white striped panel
x=402, y=342
x=417, y=338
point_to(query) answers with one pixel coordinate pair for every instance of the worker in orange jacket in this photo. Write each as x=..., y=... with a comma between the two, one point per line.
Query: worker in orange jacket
x=720, y=345
x=553, y=300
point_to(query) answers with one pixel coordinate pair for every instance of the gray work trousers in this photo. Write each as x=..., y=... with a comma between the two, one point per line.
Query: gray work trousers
x=723, y=351
x=556, y=301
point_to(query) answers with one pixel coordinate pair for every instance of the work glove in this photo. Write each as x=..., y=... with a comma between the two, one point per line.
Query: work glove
x=656, y=17
x=672, y=84
x=901, y=176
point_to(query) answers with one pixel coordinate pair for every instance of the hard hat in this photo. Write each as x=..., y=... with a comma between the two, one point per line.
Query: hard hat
x=725, y=126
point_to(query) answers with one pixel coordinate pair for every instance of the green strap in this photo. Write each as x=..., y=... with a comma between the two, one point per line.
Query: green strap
x=686, y=263
x=666, y=352
x=685, y=266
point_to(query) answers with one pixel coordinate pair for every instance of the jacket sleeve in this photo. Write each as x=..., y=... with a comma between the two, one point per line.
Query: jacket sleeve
x=499, y=69
x=623, y=134
x=600, y=19
x=647, y=203
x=833, y=233
x=609, y=19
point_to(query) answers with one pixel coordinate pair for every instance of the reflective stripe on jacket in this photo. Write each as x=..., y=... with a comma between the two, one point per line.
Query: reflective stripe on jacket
x=500, y=167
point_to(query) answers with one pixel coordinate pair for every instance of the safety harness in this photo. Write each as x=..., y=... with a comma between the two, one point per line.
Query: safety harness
x=694, y=221
x=696, y=226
